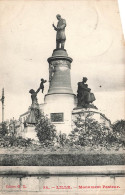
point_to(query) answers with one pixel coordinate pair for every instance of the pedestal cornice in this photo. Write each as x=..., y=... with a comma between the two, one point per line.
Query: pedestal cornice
x=53, y=58
x=60, y=54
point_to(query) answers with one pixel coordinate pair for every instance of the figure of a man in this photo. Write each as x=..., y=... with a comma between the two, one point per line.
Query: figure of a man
x=60, y=36
x=84, y=95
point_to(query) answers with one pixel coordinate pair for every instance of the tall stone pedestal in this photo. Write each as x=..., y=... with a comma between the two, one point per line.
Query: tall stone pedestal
x=60, y=99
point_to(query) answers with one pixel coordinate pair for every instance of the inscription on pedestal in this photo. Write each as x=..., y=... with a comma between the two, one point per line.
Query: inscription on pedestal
x=57, y=117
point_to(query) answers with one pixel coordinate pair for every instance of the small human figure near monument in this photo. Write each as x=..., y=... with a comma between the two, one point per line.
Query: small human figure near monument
x=41, y=85
x=60, y=36
x=85, y=97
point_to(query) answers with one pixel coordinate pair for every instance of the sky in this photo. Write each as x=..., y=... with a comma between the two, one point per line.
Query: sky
x=121, y=5
x=94, y=41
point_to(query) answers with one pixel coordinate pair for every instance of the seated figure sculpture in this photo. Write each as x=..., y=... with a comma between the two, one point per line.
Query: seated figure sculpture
x=84, y=95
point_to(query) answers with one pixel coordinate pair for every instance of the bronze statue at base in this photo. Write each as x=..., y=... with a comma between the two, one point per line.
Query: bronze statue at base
x=84, y=95
x=32, y=118
x=34, y=106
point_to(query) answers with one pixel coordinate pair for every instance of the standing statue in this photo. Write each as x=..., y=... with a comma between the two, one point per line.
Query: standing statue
x=60, y=36
x=85, y=97
x=34, y=106
x=34, y=98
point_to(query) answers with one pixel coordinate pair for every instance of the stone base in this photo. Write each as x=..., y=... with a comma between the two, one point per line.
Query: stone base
x=87, y=106
x=60, y=105
x=83, y=112
x=29, y=132
x=59, y=52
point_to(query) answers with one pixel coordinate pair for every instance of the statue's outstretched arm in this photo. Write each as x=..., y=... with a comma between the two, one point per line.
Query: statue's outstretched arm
x=54, y=27
x=37, y=91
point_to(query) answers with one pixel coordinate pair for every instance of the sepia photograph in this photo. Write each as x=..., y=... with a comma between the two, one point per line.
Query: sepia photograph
x=62, y=97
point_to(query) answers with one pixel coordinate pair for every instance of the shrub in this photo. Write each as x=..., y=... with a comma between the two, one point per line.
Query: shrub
x=119, y=132
x=62, y=139
x=89, y=132
x=3, y=129
x=46, y=131
x=9, y=141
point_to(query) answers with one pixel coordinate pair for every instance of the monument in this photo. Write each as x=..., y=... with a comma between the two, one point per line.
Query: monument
x=61, y=105
x=60, y=99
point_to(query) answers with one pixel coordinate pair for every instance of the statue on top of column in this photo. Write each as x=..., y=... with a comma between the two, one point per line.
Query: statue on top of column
x=60, y=36
x=85, y=97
